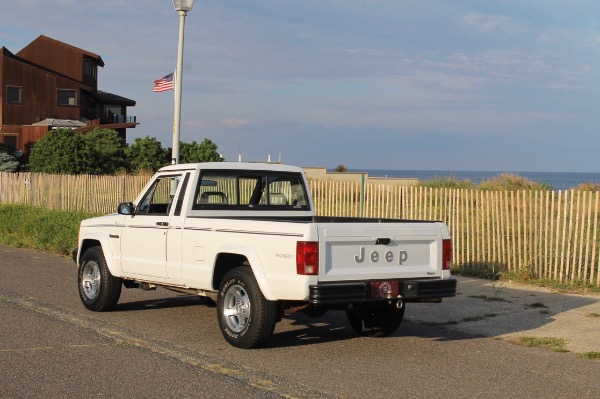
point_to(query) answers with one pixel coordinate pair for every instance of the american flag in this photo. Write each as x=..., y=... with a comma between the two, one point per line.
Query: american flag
x=163, y=84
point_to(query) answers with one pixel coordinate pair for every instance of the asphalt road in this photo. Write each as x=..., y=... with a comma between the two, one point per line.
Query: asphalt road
x=164, y=344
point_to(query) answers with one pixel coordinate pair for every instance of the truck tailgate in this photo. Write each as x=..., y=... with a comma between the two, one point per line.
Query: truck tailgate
x=369, y=251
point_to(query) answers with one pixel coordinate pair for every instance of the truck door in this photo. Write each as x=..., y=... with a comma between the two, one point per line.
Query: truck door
x=144, y=234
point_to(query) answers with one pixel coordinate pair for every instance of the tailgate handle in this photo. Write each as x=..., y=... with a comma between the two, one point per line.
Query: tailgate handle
x=382, y=241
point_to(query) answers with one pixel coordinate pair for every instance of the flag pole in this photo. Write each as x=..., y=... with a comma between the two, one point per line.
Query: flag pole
x=176, y=112
x=178, y=82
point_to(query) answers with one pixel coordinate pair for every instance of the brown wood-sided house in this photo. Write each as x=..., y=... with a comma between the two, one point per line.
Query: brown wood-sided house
x=51, y=84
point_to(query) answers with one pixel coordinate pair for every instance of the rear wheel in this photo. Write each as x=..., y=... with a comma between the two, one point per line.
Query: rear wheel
x=375, y=320
x=246, y=317
x=99, y=290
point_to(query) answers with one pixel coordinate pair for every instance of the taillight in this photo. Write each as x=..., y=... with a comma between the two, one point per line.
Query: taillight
x=307, y=258
x=447, y=254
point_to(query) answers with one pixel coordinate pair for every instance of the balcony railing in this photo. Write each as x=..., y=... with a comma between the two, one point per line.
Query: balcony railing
x=123, y=119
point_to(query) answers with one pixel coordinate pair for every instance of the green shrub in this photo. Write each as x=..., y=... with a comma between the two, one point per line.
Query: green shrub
x=40, y=228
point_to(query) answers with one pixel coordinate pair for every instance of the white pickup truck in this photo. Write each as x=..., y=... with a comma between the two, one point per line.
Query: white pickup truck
x=246, y=236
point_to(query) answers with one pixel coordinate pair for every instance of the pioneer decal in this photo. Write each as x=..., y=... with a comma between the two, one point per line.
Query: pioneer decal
x=387, y=256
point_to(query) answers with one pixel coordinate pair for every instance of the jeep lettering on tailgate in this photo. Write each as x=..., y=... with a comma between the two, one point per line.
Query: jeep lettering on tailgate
x=388, y=256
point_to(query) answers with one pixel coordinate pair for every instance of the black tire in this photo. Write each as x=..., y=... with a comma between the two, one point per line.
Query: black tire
x=378, y=320
x=99, y=290
x=246, y=318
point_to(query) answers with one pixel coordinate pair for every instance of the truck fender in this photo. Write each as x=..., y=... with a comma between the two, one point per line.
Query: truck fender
x=255, y=264
x=103, y=240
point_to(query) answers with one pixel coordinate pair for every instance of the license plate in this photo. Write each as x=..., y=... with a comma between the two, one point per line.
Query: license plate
x=384, y=289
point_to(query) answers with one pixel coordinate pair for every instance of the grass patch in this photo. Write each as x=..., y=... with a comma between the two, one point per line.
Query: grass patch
x=525, y=275
x=502, y=181
x=550, y=343
x=38, y=228
x=447, y=182
x=590, y=355
x=588, y=186
x=512, y=182
x=594, y=314
x=488, y=271
x=576, y=287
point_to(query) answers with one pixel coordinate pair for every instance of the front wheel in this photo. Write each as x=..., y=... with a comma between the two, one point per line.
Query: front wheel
x=99, y=290
x=378, y=320
x=246, y=317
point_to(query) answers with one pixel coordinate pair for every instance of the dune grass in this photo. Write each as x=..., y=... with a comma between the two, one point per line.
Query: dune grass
x=502, y=181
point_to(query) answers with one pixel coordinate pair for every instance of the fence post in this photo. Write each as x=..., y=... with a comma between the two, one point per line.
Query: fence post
x=362, y=197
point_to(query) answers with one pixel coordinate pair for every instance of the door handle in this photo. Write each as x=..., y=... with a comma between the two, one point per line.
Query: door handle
x=162, y=223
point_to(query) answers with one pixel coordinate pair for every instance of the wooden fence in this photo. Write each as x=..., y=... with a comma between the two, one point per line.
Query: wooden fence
x=549, y=234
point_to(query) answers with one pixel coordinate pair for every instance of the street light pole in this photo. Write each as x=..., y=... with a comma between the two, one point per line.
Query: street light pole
x=182, y=7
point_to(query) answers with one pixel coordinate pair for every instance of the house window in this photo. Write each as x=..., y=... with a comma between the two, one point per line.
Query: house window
x=13, y=94
x=67, y=97
x=89, y=68
x=113, y=113
x=10, y=141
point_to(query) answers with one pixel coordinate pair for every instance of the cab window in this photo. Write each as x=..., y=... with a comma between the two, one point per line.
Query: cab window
x=250, y=190
x=159, y=197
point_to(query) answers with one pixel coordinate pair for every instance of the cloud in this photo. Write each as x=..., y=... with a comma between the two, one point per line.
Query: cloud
x=591, y=40
x=365, y=51
x=489, y=23
x=463, y=69
x=234, y=122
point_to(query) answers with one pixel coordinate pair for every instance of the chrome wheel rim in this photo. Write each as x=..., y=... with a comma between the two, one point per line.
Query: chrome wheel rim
x=90, y=279
x=236, y=308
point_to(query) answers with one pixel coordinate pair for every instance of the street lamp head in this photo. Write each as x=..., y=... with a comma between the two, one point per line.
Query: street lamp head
x=183, y=5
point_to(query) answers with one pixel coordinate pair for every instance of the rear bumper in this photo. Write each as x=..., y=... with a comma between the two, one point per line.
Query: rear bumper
x=360, y=291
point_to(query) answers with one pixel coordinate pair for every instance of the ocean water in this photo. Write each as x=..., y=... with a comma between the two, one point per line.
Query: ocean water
x=557, y=180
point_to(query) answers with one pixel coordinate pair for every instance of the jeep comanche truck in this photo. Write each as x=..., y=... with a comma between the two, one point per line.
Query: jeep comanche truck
x=245, y=235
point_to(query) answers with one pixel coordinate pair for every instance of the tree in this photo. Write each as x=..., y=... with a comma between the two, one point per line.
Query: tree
x=341, y=168
x=60, y=151
x=147, y=154
x=100, y=151
x=203, y=152
x=107, y=150
x=8, y=163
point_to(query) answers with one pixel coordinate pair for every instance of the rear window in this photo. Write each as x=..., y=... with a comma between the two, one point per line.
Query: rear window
x=254, y=190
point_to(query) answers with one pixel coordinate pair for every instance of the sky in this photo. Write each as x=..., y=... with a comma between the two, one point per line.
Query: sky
x=486, y=85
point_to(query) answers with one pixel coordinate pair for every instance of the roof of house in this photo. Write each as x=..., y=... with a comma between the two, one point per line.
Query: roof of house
x=52, y=122
x=7, y=53
x=43, y=38
x=110, y=98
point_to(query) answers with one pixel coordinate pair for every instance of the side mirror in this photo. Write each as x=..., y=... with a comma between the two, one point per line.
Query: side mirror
x=125, y=208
